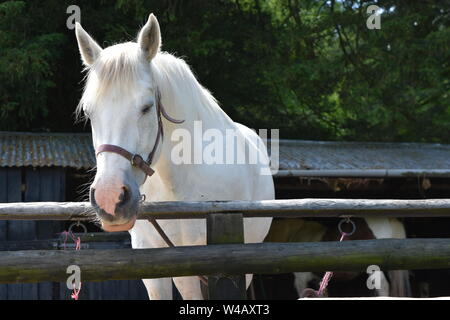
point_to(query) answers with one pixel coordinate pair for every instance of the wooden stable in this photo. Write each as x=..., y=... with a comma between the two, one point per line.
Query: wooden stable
x=30, y=184
x=225, y=259
x=39, y=167
x=338, y=171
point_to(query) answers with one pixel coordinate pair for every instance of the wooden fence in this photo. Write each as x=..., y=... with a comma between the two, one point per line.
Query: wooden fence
x=304, y=208
x=226, y=259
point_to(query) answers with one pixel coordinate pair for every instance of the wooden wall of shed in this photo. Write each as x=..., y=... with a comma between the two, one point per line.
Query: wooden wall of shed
x=425, y=283
x=28, y=184
x=49, y=184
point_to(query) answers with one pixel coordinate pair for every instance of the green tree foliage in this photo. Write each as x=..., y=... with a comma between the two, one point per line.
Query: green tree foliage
x=308, y=67
x=27, y=64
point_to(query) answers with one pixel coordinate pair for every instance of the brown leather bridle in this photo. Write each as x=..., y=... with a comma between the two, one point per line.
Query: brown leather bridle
x=136, y=160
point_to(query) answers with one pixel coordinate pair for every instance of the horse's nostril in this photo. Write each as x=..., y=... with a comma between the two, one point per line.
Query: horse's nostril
x=124, y=196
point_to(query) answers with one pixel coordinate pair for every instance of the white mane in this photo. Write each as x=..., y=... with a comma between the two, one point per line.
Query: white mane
x=119, y=68
x=175, y=79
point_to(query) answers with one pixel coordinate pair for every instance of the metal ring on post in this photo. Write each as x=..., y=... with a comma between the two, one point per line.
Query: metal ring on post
x=347, y=220
x=77, y=224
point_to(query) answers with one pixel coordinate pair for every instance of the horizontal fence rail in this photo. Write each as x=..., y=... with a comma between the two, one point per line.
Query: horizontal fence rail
x=91, y=240
x=311, y=208
x=230, y=259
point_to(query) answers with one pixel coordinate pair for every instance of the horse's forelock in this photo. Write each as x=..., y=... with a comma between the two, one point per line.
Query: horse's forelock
x=117, y=70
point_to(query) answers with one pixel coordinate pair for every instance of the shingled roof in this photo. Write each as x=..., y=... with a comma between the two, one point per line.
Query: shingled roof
x=320, y=155
x=75, y=150
x=18, y=149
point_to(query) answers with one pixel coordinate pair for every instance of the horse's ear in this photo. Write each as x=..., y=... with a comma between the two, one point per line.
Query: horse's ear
x=89, y=49
x=149, y=38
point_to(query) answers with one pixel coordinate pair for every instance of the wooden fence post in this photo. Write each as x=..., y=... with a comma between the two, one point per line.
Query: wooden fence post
x=225, y=228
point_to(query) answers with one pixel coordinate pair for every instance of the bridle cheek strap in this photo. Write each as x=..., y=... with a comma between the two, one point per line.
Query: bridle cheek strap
x=135, y=159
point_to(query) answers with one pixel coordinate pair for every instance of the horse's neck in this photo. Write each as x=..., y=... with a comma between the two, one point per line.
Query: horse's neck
x=195, y=123
x=183, y=96
x=191, y=103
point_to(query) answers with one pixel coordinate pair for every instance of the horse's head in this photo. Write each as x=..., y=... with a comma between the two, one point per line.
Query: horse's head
x=119, y=99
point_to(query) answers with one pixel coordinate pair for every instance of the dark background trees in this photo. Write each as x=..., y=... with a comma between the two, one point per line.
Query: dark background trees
x=308, y=67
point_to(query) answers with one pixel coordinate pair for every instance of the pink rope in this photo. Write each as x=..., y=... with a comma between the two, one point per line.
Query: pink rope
x=326, y=278
x=75, y=293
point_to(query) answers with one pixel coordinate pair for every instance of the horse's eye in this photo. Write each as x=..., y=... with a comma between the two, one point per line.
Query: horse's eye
x=147, y=108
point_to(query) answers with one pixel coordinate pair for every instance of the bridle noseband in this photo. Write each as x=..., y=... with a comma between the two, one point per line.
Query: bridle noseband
x=136, y=160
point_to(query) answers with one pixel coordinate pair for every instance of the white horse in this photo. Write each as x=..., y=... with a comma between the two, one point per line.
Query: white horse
x=121, y=99
x=393, y=283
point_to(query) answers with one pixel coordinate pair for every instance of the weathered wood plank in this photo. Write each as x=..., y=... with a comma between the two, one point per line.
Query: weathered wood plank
x=222, y=228
x=4, y=223
x=48, y=191
x=15, y=229
x=31, y=194
x=262, y=258
x=59, y=245
x=29, y=231
x=14, y=195
x=266, y=208
x=3, y=198
x=96, y=240
x=137, y=290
